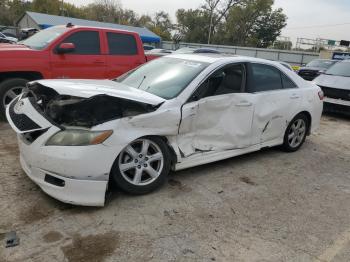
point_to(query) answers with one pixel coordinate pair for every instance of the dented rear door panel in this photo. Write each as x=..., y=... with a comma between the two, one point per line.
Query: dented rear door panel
x=273, y=111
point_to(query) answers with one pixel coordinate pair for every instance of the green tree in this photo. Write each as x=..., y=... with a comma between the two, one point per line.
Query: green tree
x=103, y=11
x=11, y=10
x=51, y=7
x=162, y=25
x=268, y=27
x=193, y=25
x=254, y=23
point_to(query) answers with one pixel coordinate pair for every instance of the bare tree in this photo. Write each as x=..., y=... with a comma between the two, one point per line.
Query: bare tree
x=218, y=9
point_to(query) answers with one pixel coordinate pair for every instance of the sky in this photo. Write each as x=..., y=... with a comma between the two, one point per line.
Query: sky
x=306, y=18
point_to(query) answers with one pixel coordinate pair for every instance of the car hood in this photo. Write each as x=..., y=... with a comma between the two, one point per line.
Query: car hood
x=14, y=47
x=89, y=88
x=339, y=82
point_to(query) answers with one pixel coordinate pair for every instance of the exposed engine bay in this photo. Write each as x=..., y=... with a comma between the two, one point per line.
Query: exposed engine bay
x=68, y=110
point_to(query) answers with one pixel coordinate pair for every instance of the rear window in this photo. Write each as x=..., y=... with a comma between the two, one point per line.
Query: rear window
x=265, y=78
x=121, y=44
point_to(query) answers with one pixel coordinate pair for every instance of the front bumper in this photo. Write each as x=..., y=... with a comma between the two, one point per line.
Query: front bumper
x=83, y=170
x=336, y=106
x=74, y=191
x=73, y=174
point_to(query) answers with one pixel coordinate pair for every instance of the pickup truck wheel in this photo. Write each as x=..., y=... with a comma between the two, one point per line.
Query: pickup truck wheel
x=9, y=89
x=142, y=166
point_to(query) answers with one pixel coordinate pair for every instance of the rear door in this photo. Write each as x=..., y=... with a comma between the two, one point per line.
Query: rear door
x=277, y=101
x=123, y=53
x=86, y=61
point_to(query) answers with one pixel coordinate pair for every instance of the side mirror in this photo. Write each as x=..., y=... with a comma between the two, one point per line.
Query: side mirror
x=194, y=97
x=64, y=48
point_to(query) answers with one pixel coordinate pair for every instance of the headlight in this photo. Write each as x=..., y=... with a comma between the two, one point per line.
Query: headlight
x=78, y=137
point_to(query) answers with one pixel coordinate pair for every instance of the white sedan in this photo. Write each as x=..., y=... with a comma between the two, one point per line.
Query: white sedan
x=175, y=112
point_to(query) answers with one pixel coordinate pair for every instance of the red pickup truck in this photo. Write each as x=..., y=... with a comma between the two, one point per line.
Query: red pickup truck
x=67, y=52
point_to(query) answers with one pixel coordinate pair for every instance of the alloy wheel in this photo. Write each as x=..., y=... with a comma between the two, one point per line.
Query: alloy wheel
x=141, y=162
x=296, y=133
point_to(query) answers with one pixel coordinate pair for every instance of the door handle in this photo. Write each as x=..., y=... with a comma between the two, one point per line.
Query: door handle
x=99, y=62
x=244, y=103
x=294, y=96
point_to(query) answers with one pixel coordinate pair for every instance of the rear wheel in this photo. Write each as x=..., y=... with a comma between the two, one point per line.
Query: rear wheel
x=9, y=89
x=142, y=166
x=295, y=134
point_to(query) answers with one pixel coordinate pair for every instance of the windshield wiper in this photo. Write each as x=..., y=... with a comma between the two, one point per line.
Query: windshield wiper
x=18, y=43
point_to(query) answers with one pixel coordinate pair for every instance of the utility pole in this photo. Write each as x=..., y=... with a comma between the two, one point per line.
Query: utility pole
x=62, y=8
x=210, y=26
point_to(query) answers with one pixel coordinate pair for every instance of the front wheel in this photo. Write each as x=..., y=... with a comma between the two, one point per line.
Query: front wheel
x=9, y=89
x=295, y=134
x=142, y=166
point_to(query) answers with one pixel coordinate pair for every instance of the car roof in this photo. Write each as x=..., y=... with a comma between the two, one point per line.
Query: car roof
x=73, y=27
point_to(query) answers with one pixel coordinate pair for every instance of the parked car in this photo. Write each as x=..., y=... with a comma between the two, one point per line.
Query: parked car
x=335, y=84
x=156, y=53
x=315, y=68
x=175, y=112
x=7, y=39
x=67, y=52
x=192, y=50
x=148, y=47
x=27, y=32
x=286, y=65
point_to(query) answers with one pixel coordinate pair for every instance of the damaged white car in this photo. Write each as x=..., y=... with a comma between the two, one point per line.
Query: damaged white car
x=175, y=112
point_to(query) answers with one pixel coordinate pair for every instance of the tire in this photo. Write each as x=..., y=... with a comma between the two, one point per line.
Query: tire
x=14, y=84
x=295, y=134
x=133, y=168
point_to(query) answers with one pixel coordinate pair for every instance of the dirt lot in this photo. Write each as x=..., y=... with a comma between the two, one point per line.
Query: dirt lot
x=265, y=206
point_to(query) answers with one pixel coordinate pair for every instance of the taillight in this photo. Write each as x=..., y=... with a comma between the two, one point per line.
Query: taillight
x=321, y=94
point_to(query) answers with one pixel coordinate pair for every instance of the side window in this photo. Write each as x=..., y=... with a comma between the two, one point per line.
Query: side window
x=121, y=44
x=265, y=78
x=86, y=42
x=287, y=83
x=227, y=80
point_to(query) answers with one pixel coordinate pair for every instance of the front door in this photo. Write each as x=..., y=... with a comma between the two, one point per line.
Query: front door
x=86, y=61
x=219, y=115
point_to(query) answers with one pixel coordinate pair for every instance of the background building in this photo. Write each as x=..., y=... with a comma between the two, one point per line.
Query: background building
x=42, y=21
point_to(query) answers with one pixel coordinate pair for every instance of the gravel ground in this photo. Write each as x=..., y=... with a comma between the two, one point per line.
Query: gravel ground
x=265, y=206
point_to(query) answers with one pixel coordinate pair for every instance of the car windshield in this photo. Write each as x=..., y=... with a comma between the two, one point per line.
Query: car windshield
x=2, y=35
x=340, y=69
x=43, y=38
x=321, y=64
x=165, y=77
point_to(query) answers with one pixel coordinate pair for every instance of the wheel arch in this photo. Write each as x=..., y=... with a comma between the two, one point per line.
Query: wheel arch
x=30, y=75
x=170, y=148
x=309, y=118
